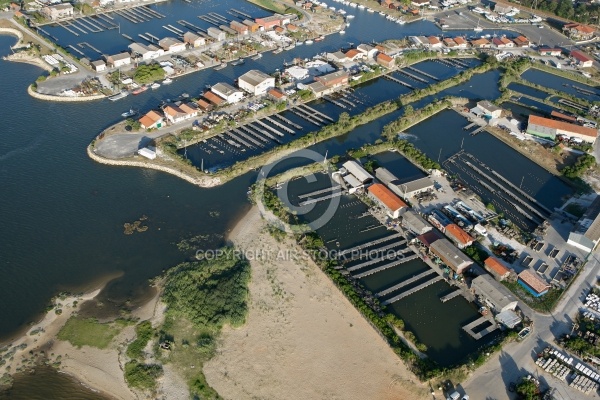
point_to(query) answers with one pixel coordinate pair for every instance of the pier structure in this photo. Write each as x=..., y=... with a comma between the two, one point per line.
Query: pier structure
x=412, y=291
x=418, y=71
x=369, y=244
x=469, y=327
x=394, y=79
x=451, y=296
x=413, y=76
x=387, y=266
x=405, y=283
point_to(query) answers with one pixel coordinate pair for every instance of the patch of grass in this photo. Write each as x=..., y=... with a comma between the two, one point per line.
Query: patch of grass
x=142, y=376
x=143, y=333
x=88, y=332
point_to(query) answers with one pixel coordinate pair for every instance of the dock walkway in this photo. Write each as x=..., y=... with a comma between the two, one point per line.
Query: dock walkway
x=369, y=244
x=412, y=291
x=393, y=79
x=358, y=254
x=405, y=283
x=379, y=259
x=387, y=266
x=329, y=196
x=450, y=296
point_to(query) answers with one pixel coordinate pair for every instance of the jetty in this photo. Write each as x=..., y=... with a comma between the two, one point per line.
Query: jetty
x=249, y=138
x=418, y=71
x=405, y=283
x=287, y=121
x=76, y=50
x=303, y=115
x=387, y=266
x=246, y=128
x=168, y=27
x=281, y=126
x=151, y=36
x=232, y=135
x=412, y=291
x=394, y=79
x=369, y=244
x=209, y=20
x=333, y=101
x=316, y=192
x=240, y=13
x=270, y=128
x=412, y=76
x=153, y=12
x=67, y=28
x=218, y=17
x=379, y=259
x=469, y=327
x=372, y=251
x=451, y=296
x=318, y=199
x=316, y=113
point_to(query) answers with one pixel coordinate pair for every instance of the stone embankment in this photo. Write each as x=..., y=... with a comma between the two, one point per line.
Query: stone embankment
x=49, y=97
x=205, y=182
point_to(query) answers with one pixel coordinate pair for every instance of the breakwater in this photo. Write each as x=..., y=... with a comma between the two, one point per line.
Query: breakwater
x=65, y=99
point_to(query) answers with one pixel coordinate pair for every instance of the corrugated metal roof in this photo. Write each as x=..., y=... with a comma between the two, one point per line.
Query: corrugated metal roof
x=357, y=170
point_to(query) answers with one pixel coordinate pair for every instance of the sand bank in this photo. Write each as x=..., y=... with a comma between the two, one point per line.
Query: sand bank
x=303, y=339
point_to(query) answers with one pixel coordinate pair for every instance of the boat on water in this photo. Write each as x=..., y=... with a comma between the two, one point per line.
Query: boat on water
x=239, y=61
x=478, y=28
x=257, y=57
x=350, y=16
x=343, y=12
x=167, y=81
x=155, y=85
x=299, y=42
x=361, y=7
x=221, y=66
x=370, y=10
x=320, y=38
x=381, y=13
x=400, y=21
x=309, y=41
x=278, y=50
x=119, y=96
x=342, y=32
x=139, y=90
x=129, y=113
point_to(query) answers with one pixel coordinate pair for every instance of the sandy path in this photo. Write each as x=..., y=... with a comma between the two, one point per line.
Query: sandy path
x=303, y=339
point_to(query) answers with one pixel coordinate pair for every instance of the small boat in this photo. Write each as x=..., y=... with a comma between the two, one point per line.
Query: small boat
x=478, y=28
x=381, y=13
x=309, y=41
x=139, y=90
x=239, y=61
x=257, y=57
x=320, y=38
x=299, y=42
x=343, y=12
x=349, y=16
x=221, y=66
x=167, y=81
x=155, y=85
x=342, y=32
x=370, y=10
x=361, y=7
x=119, y=96
x=400, y=21
x=353, y=4
x=129, y=113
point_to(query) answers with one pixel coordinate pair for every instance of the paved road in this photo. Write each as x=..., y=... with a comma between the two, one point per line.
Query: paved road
x=517, y=359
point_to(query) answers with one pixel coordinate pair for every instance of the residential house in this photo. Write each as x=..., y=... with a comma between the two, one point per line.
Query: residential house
x=521, y=41
x=385, y=60
x=582, y=59
x=228, y=92
x=434, y=42
x=256, y=82
x=502, y=42
x=354, y=54
x=204, y=105
x=171, y=45
x=461, y=42
x=291, y=28
x=176, y=114
x=151, y=120
x=64, y=10
x=98, y=65
x=545, y=51
x=118, y=60
x=579, y=32
x=481, y=43
x=449, y=43
x=193, y=40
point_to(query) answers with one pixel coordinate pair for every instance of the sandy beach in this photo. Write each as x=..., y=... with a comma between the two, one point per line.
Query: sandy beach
x=303, y=339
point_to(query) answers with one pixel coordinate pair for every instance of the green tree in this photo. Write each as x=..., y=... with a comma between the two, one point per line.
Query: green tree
x=528, y=390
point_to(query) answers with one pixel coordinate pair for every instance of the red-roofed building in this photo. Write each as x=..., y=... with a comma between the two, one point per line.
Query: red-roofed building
x=151, y=120
x=385, y=197
x=521, y=41
x=482, y=43
x=582, y=59
x=502, y=43
x=579, y=32
x=354, y=54
x=550, y=128
x=496, y=268
x=461, y=42
x=385, y=60
x=434, y=42
x=213, y=98
x=564, y=117
x=276, y=94
x=429, y=237
x=449, y=43
x=461, y=238
x=204, y=105
x=534, y=285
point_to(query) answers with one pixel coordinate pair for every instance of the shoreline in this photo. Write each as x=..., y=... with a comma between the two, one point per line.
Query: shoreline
x=62, y=99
